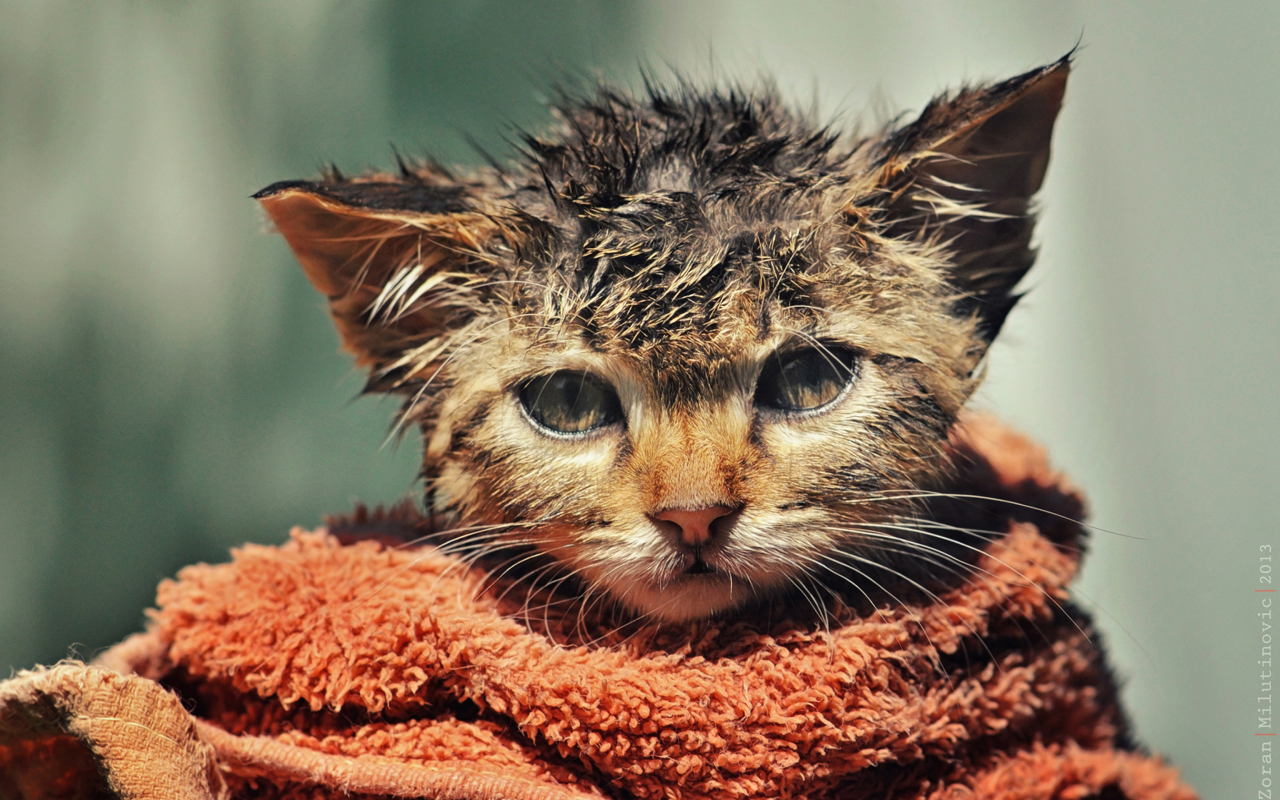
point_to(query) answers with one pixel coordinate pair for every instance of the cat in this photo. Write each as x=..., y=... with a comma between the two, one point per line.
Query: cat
x=686, y=350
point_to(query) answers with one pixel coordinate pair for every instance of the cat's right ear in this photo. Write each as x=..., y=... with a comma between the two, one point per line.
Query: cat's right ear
x=963, y=174
x=399, y=262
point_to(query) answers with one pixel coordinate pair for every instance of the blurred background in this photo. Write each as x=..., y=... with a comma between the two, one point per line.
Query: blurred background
x=170, y=385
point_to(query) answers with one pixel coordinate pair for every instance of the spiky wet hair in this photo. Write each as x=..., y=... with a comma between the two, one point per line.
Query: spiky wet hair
x=673, y=240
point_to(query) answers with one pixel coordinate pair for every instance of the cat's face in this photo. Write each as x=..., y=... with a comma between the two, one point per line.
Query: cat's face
x=692, y=450
x=692, y=350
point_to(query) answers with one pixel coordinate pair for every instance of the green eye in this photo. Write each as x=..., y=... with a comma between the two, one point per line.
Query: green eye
x=803, y=380
x=570, y=402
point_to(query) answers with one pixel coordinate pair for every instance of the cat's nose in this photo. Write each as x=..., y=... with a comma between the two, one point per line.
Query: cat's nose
x=694, y=523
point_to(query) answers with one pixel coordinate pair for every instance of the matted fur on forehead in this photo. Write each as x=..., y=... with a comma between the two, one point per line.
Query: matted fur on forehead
x=686, y=220
x=680, y=224
x=697, y=299
x=611, y=150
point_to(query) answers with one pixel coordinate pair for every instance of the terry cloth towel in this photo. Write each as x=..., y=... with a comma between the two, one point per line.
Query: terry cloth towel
x=337, y=665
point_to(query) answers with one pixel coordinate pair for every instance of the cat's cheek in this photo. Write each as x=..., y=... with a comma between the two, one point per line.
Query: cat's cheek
x=456, y=488
x=506, y=470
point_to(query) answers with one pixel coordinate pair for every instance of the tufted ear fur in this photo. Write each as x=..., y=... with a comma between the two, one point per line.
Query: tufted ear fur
x=399, y=260
x=963, y=174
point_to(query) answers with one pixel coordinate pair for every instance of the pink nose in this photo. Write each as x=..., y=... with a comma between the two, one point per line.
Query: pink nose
x=694, y=523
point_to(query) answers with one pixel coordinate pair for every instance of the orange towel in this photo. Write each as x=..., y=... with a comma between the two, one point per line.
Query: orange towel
x=321, y=669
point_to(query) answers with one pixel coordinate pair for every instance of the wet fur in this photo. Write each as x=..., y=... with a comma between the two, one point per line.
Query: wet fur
x=669, y=243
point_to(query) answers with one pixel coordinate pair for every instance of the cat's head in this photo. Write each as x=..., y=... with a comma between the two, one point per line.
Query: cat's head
x=683, y=347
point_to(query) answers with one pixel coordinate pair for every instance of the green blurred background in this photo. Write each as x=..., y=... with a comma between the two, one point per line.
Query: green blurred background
x=170, y=386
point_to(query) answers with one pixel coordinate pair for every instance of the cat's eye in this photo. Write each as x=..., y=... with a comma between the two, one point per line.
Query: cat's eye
x=568, y=402
x=805, y=380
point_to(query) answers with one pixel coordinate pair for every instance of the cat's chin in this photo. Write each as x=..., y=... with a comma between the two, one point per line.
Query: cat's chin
x=685, y=598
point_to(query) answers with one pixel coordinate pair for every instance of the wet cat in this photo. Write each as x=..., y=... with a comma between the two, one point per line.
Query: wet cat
x=691, y=349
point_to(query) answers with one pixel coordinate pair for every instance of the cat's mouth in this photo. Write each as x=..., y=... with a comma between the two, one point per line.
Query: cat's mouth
x=699, y=567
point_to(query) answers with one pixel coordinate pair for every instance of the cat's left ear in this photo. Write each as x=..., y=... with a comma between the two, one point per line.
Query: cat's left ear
x=400, y=259
x=964, y=173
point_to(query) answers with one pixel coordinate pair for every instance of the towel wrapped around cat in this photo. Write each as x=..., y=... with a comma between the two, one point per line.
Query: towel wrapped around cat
x=320, y=669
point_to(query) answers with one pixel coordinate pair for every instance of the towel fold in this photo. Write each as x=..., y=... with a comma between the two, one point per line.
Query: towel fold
x=339, y=664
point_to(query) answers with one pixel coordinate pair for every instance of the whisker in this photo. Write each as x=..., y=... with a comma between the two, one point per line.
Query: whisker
x=986, y=554
x=936, y=600
x=908, y=494
x=821, y=561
